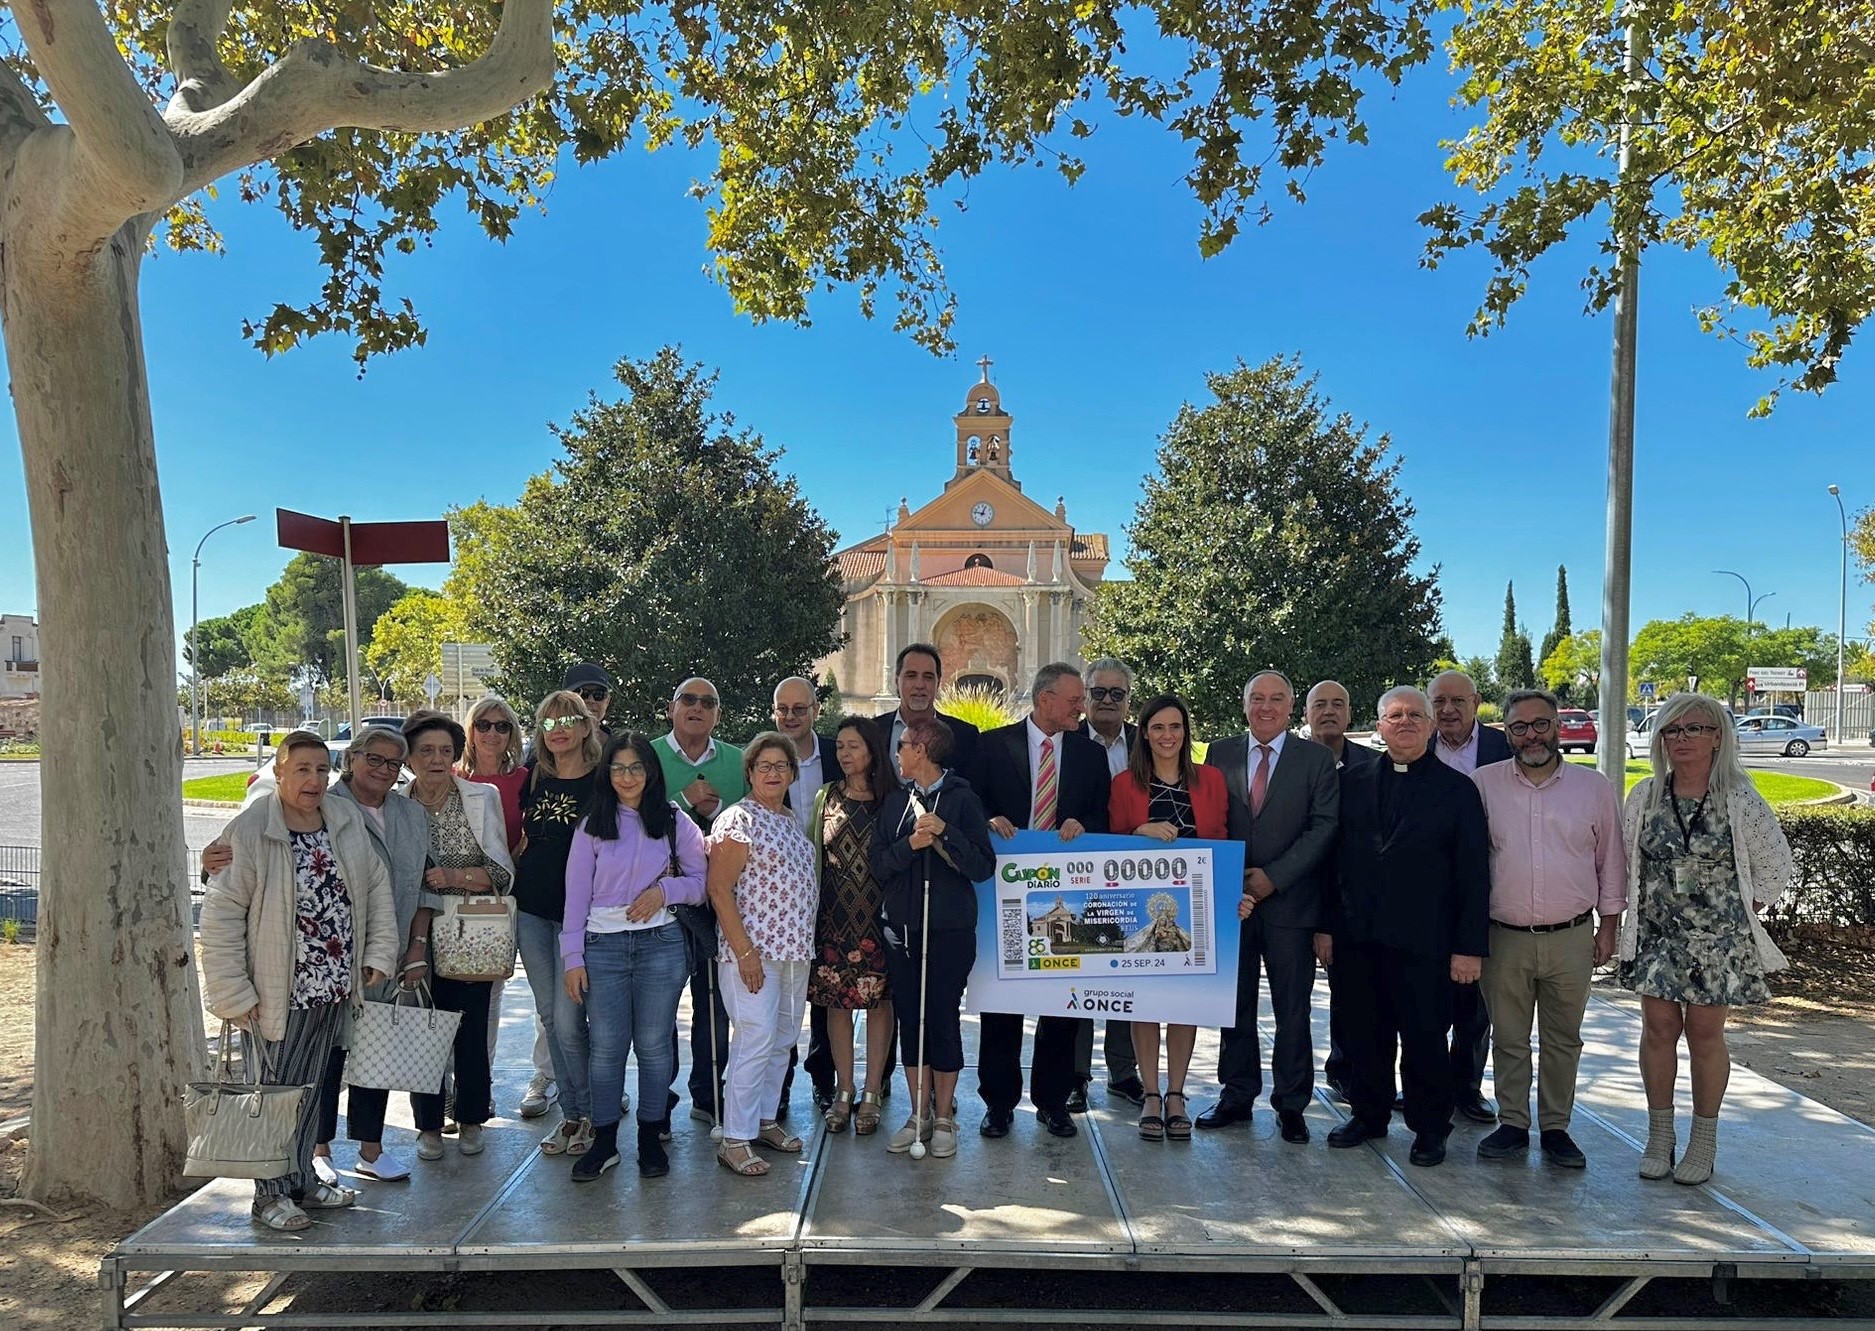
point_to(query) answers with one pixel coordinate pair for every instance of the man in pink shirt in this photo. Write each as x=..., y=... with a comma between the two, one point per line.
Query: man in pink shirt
x=1557, y=864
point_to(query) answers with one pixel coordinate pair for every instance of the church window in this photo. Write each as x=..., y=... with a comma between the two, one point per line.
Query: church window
x=978, y=560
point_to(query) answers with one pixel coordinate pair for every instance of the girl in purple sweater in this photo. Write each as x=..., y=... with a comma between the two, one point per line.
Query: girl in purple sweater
x=633, y=857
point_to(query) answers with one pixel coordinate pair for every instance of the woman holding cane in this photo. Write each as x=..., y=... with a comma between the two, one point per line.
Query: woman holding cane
x=930, y=846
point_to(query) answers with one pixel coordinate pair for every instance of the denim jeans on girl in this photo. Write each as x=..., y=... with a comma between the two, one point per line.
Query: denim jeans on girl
x=634, y=980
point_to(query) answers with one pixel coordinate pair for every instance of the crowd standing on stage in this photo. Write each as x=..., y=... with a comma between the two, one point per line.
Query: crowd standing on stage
x=1459, y=884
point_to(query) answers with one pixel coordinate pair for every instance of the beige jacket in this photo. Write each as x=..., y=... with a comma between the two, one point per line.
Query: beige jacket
x=250, y=931
x=1758, y=848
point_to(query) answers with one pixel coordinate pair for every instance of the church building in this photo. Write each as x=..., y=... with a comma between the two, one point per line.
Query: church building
x=999, y=583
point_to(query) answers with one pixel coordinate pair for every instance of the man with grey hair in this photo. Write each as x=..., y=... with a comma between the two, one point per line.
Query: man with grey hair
x=1557, y=863
x=1109, y=687
x=1404, y=919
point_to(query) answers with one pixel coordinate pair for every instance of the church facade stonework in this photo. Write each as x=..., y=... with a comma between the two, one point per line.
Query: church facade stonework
x=999, y=583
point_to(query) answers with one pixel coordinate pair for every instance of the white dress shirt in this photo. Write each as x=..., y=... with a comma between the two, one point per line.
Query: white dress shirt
x=1035, y=769
x=1463, y=757
x=1117, y=755
x=806, y=786
x=1252, y=757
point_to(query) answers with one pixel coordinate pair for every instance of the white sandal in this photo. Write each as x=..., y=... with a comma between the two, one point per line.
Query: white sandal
x=327, y=1197
x=283, y=1215
x=561, y=1138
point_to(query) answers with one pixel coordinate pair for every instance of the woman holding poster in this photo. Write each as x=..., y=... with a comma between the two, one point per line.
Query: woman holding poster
x=1163, y=794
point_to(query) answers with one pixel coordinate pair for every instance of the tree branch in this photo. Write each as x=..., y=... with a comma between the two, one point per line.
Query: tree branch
x=202, y=81
x=19, y=109
x=125, y=160
x=313, y=88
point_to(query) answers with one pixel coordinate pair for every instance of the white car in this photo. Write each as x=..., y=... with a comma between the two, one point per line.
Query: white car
x=1779, y=734
x=1640, y=737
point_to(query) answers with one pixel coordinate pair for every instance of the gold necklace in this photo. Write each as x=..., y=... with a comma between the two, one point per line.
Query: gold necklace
x=437, y=807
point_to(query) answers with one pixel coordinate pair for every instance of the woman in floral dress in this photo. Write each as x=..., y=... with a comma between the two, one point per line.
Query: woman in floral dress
x=1705, y=856
x=849, y=949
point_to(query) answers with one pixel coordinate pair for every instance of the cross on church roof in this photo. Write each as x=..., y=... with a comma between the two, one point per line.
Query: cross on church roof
x=984, y=364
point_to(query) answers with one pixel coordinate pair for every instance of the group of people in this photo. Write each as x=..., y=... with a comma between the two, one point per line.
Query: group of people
x=1459, y=885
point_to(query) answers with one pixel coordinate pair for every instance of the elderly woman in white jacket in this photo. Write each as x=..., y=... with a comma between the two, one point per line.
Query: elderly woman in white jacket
x=1705, y=856
x=292, y=934
x=468, y=855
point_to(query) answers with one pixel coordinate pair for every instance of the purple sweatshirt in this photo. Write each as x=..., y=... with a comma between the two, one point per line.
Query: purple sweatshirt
x=613, y=873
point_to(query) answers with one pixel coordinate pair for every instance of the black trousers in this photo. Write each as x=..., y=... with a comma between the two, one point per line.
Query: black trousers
x=1118, y=1053
x=1396, y=1003
x=1336, y=1067
x=953, y=953
x=707, y=1059
x=999, y=1060
x=1289, y=956
x=473, y=1080
x=1471, y=1040
x=365, y=1106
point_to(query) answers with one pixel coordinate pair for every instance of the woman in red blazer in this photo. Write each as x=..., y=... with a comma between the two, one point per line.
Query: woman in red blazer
x=1163, y=794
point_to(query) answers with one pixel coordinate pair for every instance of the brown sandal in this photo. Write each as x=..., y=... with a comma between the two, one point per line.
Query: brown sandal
x=866, y=1117
x=840, y=1111
x=1177, y=1126
x=748, y=1163
x=776, y=1138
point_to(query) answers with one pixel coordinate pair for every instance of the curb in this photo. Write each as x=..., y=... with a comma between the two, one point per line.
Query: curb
x=223, y=806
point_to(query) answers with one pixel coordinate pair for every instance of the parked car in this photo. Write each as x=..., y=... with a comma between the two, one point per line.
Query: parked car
x=1779, y=734
x=343, y=740
x=1789, y=709
x=1640, y=735
x=1576, y=729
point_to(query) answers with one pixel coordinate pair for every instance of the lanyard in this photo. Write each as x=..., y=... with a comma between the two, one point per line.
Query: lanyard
x=1687, y=828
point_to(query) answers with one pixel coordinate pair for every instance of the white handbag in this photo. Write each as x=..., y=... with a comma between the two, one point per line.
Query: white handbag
x=473, y=937
x=401, y=1047
x=240, y=1129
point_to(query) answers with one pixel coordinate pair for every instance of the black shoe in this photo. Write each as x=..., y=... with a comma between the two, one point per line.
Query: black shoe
x=1294, y=1127
x=600, y=1156
x=1476, y=1108
x=652, y=1161
x=1337, y=1090
x=996, y=1123
x=1399, y=1102
x=1224, y=1113
x=1559, y=1149
x=1058, y=1122
x=781, y=1110
x=1353, y=1133
x=1428, y=1149
x=1077, y=1100
x=1130, y=1089
x=1504, y=1144
x=823, y=1098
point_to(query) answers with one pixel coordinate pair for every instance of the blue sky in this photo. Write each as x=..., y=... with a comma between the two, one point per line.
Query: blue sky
x=1101, y=319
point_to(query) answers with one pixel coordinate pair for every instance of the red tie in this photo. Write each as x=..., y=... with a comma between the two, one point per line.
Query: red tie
x=1260, y=783
x=1046, y=788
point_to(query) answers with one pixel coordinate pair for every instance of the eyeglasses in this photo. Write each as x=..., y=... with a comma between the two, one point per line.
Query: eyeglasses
x=803, y=709
x=627, y=769
x=774, y=768
x=549, y=724
x=707, y=701
x=1543, y=725
x=593, y=693
x=1403, y=718
x=377, y=762
x=483, y=726
x=1694, y=731
x=1104, y=694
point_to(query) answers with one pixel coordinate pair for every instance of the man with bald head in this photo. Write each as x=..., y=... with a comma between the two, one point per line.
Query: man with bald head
x=1329, y=712
x=1285, y=804
x=1464, y=744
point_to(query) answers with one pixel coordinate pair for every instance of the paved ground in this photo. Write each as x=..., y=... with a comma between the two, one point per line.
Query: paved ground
x=19, y=803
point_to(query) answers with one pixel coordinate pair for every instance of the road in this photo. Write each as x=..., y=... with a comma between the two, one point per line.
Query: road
x=19, y=803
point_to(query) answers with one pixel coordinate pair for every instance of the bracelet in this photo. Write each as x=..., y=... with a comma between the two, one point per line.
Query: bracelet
x=753, y=949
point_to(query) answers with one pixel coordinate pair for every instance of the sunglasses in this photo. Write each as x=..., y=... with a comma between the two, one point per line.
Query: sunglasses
x=1107, y=695
x=707, y=701
x=483, y=726
x=627, y=769
x=593, y=693
x=549, y=724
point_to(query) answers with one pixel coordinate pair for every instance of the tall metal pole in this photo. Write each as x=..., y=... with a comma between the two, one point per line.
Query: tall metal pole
x=1750, y=605
x=1842, y=611
x=350, y=600
x=1618, y=568
x=195, y=620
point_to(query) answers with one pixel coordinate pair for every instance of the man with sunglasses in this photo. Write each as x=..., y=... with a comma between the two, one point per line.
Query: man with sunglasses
x=1557, y=863
x=1109, y=687
x=594, y=687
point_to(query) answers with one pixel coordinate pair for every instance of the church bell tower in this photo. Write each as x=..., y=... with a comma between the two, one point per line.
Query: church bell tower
x=983, y=431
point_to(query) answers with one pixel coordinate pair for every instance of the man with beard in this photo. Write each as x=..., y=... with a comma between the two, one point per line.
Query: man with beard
x=1557, y=863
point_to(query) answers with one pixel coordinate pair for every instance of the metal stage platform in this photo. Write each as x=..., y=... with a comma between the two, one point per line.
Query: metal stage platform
x=1236, y=1228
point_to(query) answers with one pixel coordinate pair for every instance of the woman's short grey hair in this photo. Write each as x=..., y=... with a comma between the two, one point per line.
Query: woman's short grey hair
x=1110, y=665
x=375, y=735
x=1728, y=773
x=1418, y=695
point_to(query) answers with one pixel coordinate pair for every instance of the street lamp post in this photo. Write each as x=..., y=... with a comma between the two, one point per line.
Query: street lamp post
x=1750, y=604
x=1842, y=609
x=195, y=619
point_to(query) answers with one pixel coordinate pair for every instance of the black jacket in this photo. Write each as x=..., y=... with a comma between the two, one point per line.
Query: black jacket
x=965, y=860
x=1006, y=785
x=1423, y=887
x=963, y=757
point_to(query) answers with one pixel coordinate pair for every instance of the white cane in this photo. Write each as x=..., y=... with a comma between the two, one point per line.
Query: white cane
x=716, y=1058
x=924, y=976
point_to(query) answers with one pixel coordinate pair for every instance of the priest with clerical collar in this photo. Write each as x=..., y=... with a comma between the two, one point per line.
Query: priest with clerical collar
x=1405, y=918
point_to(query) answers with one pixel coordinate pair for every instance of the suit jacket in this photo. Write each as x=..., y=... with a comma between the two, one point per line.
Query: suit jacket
x=1425, y=886
x=1006, y=785
x=1127, y=728
x=964, y=736
x=1293, y=838
x=1357, y=755
x=1493, y=746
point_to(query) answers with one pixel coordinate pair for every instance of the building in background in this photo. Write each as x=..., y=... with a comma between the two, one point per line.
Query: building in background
x=19, y=667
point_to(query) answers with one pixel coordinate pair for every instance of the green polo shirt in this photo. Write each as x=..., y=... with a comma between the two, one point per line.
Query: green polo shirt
x=721, y=767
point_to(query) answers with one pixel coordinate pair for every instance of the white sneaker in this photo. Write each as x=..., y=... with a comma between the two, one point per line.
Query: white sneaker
x=387, y=1168
x=944, y=1138
x=325, y=1171
x=541, y=1092
x=470, y=1142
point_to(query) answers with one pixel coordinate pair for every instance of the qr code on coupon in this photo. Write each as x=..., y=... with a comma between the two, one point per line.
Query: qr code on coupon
x=1014, y=934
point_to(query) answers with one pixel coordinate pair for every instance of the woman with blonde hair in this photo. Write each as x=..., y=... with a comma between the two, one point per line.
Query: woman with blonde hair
x=493, y=758
x=1705, y=856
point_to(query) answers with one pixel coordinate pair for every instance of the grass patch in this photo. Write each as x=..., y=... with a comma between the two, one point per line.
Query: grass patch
x=1776, y=787
x=229, y=786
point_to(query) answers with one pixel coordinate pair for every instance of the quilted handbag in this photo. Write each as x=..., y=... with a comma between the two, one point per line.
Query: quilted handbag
x=401, y=1047
x=472, y=937
x=240, y=1129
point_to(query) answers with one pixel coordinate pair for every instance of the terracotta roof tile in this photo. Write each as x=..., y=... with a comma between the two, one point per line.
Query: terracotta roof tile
x=975, y=577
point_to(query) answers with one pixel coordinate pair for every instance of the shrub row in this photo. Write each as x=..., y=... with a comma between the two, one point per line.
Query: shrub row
x=1834, y=883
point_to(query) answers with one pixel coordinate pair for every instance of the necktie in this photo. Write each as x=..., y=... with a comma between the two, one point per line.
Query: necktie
x=1046, y=788
x=1260, y=783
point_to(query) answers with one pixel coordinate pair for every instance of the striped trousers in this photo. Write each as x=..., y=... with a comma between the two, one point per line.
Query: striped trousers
x=298, y=1060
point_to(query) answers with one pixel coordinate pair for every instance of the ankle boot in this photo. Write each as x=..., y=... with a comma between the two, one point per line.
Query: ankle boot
x=600, y=1156
x=652, y=1162
x=1657, y=1160
x=1696, y=1165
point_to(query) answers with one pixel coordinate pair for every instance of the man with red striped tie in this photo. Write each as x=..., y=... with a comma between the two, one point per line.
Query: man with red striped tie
x=1039, y=773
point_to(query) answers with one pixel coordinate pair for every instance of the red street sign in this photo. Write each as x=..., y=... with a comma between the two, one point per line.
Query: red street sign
x=372, y=542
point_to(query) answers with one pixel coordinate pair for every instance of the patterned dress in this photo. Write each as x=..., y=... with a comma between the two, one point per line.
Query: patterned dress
x=777, y=895
x=322, y=965
x=453, y=844
x=849, y=950
x=1694, y=942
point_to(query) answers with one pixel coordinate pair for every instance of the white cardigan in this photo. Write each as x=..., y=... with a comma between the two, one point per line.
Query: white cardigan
x=1758, y=848
x=481, y=805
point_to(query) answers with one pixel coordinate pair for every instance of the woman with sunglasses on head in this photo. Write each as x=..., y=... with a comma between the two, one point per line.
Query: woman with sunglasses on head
x=633, y=857
x=1705, y=856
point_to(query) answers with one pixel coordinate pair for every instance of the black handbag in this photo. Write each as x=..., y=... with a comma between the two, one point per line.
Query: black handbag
x=698, y=922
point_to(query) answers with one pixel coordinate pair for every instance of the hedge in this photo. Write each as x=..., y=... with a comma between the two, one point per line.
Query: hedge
x=1834, y=883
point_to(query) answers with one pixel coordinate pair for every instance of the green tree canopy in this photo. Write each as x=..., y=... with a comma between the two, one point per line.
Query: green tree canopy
x=1273, y=534
x=301, y=625
x=1575, y=661
x=407, y=641
x=223, y=642
x=1514, y=668
x=663, y=545
x=1721, y=650
x=1561, y=628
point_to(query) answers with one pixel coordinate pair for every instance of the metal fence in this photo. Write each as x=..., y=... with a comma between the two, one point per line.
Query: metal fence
x=19, y=885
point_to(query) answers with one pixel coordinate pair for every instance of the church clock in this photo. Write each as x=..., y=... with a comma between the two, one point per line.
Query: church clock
x=982, y=514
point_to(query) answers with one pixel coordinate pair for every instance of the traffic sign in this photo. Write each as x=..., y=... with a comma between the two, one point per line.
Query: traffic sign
x=431, y=687
x=1777, y=679
x=1647, y=688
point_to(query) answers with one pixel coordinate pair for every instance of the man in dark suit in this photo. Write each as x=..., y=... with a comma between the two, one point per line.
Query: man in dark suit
x=1283, y=788
x=1329, y=712
x=1464, y=744
x=1040, y=773
x=1405, y=917
x=1109, y=687
x=918, y=674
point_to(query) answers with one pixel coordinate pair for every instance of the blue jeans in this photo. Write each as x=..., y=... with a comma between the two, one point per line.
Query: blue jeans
x=633, y=982
x=564, y=1020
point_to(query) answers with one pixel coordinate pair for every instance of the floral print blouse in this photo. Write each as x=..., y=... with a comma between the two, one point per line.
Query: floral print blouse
x=322, y=965
x=778, y=893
